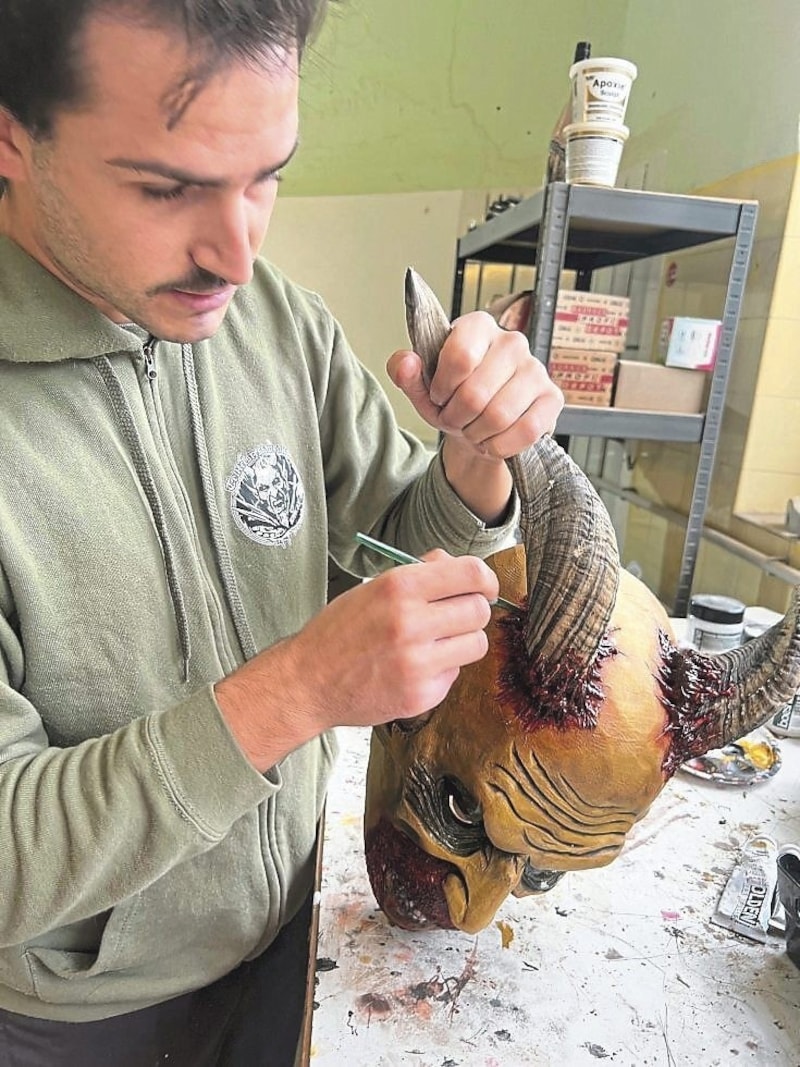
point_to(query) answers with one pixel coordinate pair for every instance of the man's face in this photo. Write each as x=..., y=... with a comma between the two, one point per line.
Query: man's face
x=152, y=224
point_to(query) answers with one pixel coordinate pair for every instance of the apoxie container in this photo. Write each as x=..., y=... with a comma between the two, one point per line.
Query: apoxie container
x=600, y=89
x=715, y=623
x=593, y=153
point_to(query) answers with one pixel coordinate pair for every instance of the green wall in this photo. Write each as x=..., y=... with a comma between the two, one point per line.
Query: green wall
x=718, y=89
x=413, y=95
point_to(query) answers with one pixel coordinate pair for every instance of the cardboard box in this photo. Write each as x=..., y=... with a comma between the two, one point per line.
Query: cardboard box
x=590, y=321
x=585, y=377
x=652, y=387
x=690, y=343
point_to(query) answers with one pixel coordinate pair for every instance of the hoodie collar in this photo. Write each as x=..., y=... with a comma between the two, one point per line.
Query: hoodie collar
x=44, y=321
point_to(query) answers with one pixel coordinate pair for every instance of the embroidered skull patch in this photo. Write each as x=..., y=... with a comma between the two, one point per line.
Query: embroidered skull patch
x=267, y=497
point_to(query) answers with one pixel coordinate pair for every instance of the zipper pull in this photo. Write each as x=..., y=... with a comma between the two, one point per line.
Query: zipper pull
x=149, y=360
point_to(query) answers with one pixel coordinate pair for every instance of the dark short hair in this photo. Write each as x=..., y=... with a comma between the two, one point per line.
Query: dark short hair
x=40, y=43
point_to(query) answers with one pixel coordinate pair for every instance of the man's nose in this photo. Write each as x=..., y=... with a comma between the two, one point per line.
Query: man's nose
x=225, y=247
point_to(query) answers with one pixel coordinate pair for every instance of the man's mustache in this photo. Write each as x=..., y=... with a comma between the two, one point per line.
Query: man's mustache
x=199, y=281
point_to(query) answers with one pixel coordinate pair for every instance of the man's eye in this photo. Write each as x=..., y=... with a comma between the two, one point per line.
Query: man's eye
x=172, y=192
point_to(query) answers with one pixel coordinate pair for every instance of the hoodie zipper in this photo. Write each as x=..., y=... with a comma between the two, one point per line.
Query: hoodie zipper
x=151, y=374
x=160, y=437
x=149, y=359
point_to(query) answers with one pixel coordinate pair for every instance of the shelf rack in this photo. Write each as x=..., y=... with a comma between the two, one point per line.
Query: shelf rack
x=582, y=229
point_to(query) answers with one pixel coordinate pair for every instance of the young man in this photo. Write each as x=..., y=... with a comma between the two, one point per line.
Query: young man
x=186, y=437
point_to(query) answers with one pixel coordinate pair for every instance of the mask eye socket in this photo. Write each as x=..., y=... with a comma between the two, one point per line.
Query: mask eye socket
x=463, y=807
x=446, y=811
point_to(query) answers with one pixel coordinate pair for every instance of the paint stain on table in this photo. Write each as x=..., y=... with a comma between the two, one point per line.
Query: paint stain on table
x=506, y=933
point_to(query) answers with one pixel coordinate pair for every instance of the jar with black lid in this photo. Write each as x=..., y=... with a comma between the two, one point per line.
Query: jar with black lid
x=715, y=623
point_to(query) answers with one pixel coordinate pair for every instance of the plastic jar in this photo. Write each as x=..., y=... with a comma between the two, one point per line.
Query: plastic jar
x=593, y=153
x=715, y=623
x=600, y=89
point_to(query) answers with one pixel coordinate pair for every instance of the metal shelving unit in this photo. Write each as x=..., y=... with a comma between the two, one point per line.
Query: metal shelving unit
x=581, y=228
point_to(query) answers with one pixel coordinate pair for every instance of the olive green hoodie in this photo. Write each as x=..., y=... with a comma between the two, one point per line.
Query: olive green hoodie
x=167, y=511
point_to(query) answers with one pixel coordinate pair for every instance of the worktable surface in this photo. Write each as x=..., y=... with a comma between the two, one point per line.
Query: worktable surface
x=620, y=963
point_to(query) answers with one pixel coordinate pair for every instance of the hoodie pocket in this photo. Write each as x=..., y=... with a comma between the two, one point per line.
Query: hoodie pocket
x=56, y=966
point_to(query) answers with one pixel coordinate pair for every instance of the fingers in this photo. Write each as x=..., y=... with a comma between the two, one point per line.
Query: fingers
x=433, y=625
x=488, y=383
x=502, y=430
x=441, y=598
x=464, y=352
x=392, y=647
x=448, y=578
x=488, y=389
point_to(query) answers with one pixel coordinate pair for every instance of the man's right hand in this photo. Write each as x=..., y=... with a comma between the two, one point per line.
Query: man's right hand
x=390, y=648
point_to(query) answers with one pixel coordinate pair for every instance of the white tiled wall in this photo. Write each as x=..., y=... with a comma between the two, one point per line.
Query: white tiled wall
x=758, y=461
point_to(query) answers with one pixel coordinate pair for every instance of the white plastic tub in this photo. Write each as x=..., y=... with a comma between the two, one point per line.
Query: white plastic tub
x=594, y=153
x=600, y=89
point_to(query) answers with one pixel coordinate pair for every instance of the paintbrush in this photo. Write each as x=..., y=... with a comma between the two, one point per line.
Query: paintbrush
x=403, y=557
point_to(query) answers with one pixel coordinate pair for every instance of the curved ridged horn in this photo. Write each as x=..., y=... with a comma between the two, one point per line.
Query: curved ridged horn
x=571, y=552
x=571, y=549
x=729, y=694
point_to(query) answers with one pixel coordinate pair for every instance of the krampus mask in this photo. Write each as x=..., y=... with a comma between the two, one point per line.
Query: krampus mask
x=546, y=752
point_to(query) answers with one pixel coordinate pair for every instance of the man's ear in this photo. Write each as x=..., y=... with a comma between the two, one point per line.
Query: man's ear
x=12, y=135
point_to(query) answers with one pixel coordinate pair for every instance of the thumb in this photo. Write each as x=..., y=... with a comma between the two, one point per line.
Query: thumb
x=405, y=370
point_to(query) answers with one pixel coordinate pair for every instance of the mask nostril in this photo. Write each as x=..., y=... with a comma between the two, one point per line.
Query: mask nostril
x=537, y=881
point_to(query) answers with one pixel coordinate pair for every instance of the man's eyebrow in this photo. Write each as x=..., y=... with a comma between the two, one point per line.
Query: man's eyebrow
x=185, y=177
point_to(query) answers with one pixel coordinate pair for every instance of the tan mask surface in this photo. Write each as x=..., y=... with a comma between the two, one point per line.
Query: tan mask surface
x=544, y=754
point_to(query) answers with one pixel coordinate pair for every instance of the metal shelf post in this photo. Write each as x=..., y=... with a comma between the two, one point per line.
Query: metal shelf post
x=716, y=403
x=551, y=252
x=582, y=228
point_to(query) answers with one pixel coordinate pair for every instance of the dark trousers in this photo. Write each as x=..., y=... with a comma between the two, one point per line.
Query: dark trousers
x=250, y=1018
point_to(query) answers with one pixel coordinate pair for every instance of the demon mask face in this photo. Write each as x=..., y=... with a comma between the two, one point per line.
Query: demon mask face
x=544, y=754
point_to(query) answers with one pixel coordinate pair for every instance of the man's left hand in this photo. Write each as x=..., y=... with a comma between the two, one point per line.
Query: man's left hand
x=489, y=395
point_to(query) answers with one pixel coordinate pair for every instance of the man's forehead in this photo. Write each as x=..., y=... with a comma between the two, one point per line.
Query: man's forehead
x=126, y=61
x=237, y=126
